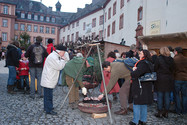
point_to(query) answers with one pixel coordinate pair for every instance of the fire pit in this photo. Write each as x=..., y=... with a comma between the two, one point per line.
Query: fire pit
x=94, y=106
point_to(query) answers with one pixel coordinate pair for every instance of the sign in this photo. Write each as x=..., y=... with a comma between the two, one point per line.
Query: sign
x=155, y=27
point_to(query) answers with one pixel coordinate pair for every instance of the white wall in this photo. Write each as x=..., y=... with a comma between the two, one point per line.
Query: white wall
x=171, y=14
x=128, y=33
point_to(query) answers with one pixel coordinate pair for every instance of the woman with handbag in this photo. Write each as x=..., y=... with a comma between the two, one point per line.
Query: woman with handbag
x=141, y=92
x=164, y=66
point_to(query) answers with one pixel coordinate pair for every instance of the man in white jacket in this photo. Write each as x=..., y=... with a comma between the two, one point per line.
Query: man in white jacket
x=53, y=64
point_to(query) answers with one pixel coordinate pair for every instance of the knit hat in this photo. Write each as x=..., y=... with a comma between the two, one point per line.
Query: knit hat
x=90, y=61
x=50, y=40
x=61, y=47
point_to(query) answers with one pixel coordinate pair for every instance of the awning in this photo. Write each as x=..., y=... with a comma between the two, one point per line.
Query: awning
x=157, y=41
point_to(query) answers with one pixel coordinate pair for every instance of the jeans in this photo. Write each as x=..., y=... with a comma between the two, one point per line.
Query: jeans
x=12, y=75
x=35, y=73
x=26, y=79
x=163, y=96
x=180, y=99
x=48, y=99
x=139, y=113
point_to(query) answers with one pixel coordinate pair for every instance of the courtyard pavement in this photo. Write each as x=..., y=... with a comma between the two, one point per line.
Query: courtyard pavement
x=20, y=109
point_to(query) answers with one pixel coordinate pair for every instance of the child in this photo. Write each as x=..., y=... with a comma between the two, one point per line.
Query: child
x=24, y=71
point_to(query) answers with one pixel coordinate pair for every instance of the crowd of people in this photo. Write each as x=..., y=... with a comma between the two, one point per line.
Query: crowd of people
x=55, y=65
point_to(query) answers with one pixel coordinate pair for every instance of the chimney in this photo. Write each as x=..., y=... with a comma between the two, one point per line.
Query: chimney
x=51, y=8
x=79, y=9
x=86, y=5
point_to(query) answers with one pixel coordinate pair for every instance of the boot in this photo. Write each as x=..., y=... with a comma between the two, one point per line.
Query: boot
x=165, y=113
x=114, y=96
x=159, y=114
x=121, y=112
x=10, y=89
x=141, y=123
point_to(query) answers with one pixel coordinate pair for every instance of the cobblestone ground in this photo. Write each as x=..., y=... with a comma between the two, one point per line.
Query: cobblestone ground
x=19, y=109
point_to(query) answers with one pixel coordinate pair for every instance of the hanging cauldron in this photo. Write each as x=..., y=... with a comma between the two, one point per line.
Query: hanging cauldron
x=91, y=105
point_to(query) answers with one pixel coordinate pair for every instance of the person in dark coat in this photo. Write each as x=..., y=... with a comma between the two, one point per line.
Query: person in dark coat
x=164, y=66
x=141, y=92
x=180, y=86
x=132, y=52
x=12, y=61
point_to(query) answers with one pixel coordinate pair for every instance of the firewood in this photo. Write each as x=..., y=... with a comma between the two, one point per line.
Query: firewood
x=102, y=115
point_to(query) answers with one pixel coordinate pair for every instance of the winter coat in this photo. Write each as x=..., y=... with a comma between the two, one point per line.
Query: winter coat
x=141, y=96
x=23, y=64
x=164, y=67
x=30, y=54
x=72, y=68
x=51, y=70
x=12, y=56
x=50, y=47
x=107, y=74
x=180, y=62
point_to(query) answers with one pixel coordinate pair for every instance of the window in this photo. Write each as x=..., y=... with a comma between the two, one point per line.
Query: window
x=121, y=22
x=114, y=8
x=29, y=41
x=5, y=23
x=140, y=13
x=77, y=24
x=64, y=29
x=35, y=28
x=47, y=30
x=68, y=38
x=34, y=39
x=63, y=39
x=52, y=30
x=22, y=15
x=122, y=4
x=101, y=20
x=100, y=34
x=29, y=16
x=73, y=25
x=35, y=17
x=16, y=26
x=72, y=37
x=4, y=36
x=22, y=27
x=69, y=27
x=5, y=9
x=29, y=28
x=84, y=25
x=109, y=13
x=113, y=27
x=53, y=20
x=41, y=29
x=77, y=36
x=94, y=22
x=41, y=18
x=108, y=33
x=47, y=19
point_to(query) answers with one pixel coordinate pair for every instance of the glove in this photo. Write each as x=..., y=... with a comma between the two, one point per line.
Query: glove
x=84, y=91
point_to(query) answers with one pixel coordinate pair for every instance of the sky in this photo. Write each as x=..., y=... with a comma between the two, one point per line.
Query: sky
x=67, y=5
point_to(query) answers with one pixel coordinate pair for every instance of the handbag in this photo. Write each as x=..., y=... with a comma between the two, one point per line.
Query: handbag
x=148, y=76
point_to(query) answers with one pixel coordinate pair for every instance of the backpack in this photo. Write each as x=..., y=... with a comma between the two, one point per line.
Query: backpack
x=38, y=54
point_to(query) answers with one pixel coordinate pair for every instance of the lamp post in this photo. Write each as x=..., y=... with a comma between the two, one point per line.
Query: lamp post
x=103, y=22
